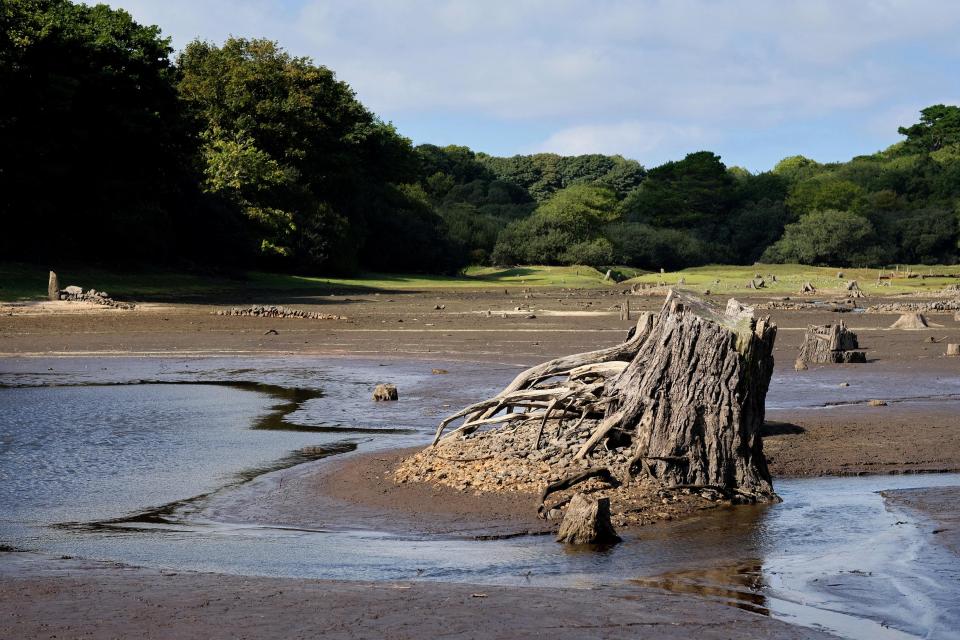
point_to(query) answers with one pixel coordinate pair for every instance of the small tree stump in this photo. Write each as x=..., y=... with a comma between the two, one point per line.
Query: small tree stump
x=911, y=321
x=953, y=349
x=53, y=287
x=587, y=521
x=625, y=310
x=832, y=343
x=385, y=393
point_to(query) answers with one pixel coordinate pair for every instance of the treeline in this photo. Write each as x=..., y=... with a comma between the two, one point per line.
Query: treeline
x=112, y=149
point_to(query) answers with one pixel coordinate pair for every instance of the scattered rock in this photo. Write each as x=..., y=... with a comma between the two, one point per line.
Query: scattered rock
x=259, y=311
x=587, y=521
x=878, y=403
x=385, y=393
x=73, y=293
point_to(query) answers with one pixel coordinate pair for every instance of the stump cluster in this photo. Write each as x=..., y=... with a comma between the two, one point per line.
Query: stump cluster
x=676, y=408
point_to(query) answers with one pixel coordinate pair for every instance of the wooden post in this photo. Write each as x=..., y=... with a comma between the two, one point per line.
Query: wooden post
x=625, y=310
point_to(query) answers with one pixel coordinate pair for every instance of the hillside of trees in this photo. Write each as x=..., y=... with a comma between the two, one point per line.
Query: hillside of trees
x=115, y=149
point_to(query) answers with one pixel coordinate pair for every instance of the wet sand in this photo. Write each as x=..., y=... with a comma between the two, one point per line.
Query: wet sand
x=940, y=506
x=42, y=597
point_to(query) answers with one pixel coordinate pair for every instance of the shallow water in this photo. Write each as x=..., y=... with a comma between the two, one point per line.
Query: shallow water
x=133, y=442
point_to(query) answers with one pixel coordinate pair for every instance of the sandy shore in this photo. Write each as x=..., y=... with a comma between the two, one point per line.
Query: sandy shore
x=939, y=505
x=44, y=597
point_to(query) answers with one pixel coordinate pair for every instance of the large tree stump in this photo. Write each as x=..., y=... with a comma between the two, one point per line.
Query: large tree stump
x=587, y=521
x=831, y=343
x=685, y=393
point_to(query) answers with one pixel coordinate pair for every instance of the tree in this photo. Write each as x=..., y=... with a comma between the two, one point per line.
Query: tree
x=838, y=238
x=307, y=155
x=824, y=192
x=939, y=126
x=93, y=142
x=697, y=191
x=564, y=230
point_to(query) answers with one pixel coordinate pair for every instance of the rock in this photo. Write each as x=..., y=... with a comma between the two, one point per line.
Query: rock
x=73, y=290
x=53, y=287
x=587, y=521
x=439, y=307
x=953, y=349
x=439, y=371
x=911, y=321
x=878, y=403
x=844, y=384
x=800, y=365
x=271, y=332
x=385, y=393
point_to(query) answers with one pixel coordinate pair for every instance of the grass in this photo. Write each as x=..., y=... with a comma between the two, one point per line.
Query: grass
x=790, y=277
x=29, y=282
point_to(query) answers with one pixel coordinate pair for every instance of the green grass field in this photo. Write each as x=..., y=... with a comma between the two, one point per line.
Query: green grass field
x=790, y=277
x=29, y=282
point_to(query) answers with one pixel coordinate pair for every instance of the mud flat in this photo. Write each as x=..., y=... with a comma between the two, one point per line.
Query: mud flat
x=44, y=598
x=41, y=596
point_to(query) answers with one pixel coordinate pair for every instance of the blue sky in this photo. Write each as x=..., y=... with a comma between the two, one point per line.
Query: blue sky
x=753, y=81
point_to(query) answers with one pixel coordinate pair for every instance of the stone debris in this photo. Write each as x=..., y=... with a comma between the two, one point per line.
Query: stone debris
x=506, y=461
x=73, y=293
x=278, y=312
x=915, y=307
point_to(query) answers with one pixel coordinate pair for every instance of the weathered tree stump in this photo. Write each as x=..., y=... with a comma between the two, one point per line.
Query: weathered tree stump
x=587, y=521
x=911, y=321
x=808, y=288
x=830, y=344
x=686, y=393
x=953, y=349
x=385, y=393
x=53, y=287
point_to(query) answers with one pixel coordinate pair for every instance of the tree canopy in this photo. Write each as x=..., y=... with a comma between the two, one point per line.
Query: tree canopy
x=241, y=153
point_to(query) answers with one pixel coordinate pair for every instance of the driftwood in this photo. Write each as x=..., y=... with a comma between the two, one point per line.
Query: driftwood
x=831, y=343
x=685, y=393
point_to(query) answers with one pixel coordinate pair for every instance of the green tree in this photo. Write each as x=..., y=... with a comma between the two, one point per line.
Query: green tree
x=306, y=156
x=824, y=192
x=564, y=230
x=939, y=126
x=93, y=142
x=838, y=238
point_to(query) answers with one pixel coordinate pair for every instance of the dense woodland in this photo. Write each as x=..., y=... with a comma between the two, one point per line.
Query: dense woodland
x=240, y=154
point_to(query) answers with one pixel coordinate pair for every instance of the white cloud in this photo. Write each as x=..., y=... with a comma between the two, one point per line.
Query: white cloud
x=590, y=68
x=641, y=140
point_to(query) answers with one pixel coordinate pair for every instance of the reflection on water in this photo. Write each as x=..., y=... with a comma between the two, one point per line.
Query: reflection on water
x=740, y=585
x=132, y=468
